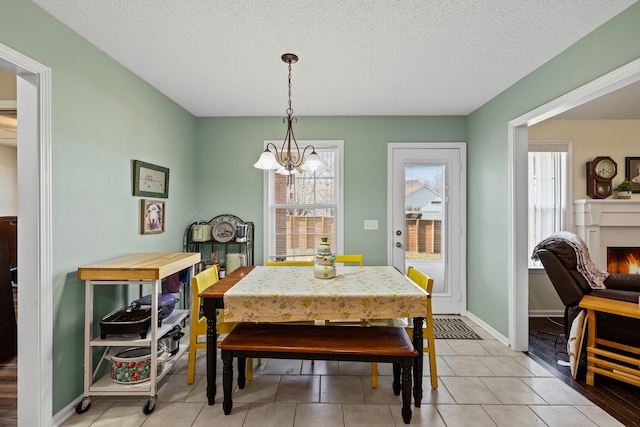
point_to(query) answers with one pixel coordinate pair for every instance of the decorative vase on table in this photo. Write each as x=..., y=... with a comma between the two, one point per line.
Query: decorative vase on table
x=324, y=266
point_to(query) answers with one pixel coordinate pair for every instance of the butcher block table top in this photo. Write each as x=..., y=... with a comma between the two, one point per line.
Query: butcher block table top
x=140, y=266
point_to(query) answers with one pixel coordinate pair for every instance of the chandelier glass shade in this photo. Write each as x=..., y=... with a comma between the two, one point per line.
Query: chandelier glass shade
x=289, y=159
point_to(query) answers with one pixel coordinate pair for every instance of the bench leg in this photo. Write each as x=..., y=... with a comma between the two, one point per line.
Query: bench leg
x=406, y=390
x=212, y=346
x=227, y=381
x=396, y=379
x=418, y=344
x=242, y=380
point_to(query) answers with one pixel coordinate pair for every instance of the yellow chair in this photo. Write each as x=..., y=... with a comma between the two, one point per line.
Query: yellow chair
x=198, y=323
x=356, y=259
x=268, y=263
x=288, y=263
x=349, y=259
x=426, y=283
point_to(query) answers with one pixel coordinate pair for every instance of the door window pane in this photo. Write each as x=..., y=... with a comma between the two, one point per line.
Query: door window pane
x=424, y=190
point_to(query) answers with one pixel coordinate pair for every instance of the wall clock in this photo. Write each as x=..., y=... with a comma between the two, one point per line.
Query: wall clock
x=600, y=174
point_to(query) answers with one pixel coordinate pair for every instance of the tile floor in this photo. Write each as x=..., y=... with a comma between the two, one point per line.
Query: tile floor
x=481, y=383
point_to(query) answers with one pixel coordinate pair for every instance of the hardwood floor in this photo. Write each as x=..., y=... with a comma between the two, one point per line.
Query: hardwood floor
x=619, y=399
x=9, y=392
x=9, y=385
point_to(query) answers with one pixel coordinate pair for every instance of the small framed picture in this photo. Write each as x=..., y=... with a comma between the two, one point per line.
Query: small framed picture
x=152, y=214
x=632, y=172
x=150, y=180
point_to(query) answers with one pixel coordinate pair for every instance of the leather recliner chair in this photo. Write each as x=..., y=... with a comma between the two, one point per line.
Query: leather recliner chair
x=560, y=262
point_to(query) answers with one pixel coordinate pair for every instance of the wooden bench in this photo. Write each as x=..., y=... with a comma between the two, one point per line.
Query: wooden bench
x=346, y=343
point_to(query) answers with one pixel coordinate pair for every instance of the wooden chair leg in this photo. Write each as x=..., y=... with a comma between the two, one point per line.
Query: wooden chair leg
x=374, y=374
x=249, y=368
x=433, y=370
x=191, y=364
x=429, y=337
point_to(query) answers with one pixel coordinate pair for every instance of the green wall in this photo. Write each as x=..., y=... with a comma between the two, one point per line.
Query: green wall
x=610, y=46
x=228, y=182
x=103, y=117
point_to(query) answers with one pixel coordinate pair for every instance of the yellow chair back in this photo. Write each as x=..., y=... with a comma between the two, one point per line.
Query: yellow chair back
x=288, y=263
x=352, y=258
x=420, y=279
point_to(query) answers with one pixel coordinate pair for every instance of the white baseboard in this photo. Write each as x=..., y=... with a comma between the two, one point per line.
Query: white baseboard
x=546, y=313
x=497, y=335
x=65, y=413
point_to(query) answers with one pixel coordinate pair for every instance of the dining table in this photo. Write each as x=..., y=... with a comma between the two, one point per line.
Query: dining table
x=292, y=294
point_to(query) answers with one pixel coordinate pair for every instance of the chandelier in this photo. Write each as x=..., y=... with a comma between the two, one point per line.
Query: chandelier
x=289, y=160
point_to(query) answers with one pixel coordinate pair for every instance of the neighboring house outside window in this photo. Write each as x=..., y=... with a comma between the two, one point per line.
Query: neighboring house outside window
x=423, y=212
x=297, y=216
x=550, y=208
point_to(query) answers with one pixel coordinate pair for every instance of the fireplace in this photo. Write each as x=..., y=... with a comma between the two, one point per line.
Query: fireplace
x=611, y=230
x=623, y=260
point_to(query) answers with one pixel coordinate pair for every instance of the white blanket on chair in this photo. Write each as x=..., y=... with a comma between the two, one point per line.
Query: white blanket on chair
x=585, y=266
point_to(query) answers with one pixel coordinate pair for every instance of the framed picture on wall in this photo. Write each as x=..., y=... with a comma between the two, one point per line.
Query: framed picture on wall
x=150, y=180
x=632, y=172
x=152, y=214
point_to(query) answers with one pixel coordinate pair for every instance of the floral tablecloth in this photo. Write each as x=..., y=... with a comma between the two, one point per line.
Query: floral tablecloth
x=274, y=294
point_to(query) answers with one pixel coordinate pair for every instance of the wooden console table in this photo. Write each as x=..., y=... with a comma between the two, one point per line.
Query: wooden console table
x=602, y=355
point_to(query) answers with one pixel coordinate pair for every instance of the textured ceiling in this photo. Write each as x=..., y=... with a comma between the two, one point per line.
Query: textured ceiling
x=367, y=57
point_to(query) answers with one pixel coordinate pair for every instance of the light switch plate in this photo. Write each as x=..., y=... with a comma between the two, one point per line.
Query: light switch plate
x=370, y=224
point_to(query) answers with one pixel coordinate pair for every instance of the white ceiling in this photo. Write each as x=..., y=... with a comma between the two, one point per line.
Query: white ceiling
x=367, y=57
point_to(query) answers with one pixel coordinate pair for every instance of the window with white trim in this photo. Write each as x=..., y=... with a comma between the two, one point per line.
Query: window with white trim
x=549, y=191
x=298, y=215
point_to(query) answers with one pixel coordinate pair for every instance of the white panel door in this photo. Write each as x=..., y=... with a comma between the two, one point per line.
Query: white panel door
x=427, y=217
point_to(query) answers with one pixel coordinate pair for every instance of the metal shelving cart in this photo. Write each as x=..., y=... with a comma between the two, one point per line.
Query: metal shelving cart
x=136, y=269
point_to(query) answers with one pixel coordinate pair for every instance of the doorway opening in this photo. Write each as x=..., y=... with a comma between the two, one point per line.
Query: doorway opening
x=35, y=301
x=517, y=201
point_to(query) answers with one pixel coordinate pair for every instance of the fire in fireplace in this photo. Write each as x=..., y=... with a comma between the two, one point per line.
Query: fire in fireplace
x=623, y=260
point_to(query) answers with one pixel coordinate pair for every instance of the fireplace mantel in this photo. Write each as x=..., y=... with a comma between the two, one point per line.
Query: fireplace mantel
x=604, y=223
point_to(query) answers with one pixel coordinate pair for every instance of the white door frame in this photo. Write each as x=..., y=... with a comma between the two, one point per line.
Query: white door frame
x=462, y=237
x=35, y=302
x=517, y=201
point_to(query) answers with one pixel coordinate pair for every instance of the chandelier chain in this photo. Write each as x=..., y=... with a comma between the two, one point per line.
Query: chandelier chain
x=289, y=110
